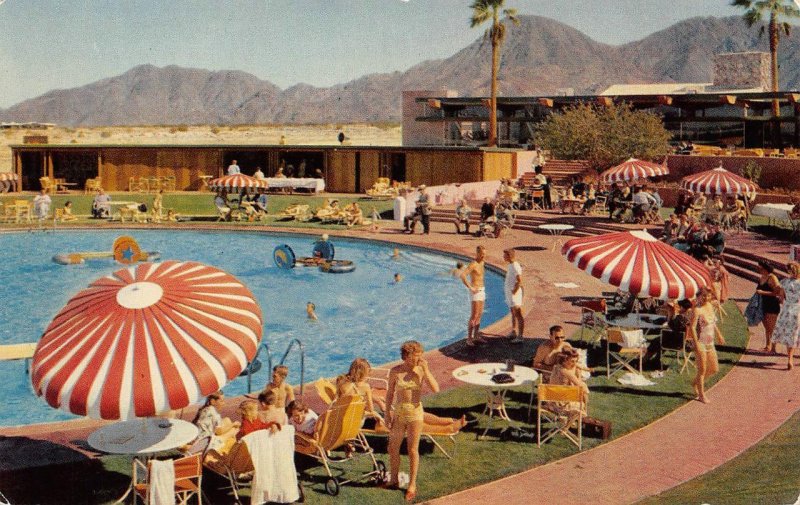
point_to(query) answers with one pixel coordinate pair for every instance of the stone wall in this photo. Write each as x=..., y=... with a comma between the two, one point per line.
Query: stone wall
x=742, y=70
x=422, y=133
x=775, y=172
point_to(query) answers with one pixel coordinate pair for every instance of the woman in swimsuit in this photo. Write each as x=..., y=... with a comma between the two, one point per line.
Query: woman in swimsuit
x=703, y=331
x=769, y=288
x=355, y=383
x=404, y=415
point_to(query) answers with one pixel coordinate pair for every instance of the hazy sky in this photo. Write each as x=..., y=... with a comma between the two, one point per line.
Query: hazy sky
x=49, y=44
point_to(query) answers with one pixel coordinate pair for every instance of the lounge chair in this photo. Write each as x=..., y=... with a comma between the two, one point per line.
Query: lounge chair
x=339, y=427
x=297, y=212
x=326, y=391
x=277, y=459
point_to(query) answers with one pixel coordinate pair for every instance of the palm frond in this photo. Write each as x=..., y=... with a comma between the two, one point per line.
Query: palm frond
x=752, y=17
x=742, y=3
x=787, y=28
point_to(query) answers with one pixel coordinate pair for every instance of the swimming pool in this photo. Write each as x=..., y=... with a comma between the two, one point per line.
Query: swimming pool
x=364, y=313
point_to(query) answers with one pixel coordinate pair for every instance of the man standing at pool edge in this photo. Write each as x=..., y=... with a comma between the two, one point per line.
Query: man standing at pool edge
x=475, y=284
x=513, y=293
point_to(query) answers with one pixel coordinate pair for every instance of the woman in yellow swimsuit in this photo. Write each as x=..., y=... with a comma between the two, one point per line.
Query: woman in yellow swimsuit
x=404, y=414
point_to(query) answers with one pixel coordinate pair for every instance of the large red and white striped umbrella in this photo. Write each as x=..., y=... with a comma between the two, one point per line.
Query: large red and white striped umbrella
x=719, y=181
x=636, y=262
x=236, y=182
x=147, y=339
x=632, y=170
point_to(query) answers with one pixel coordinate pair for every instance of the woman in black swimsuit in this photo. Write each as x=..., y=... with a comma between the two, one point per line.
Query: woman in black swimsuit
x=769, y=288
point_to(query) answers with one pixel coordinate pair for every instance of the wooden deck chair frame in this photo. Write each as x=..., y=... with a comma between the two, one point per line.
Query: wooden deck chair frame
x=683, y=354
x=338, y=427
x=560, y=420
x=48, y=185
x=92, y=185
x=600, y=205
x=622, y=359
x=188, y=479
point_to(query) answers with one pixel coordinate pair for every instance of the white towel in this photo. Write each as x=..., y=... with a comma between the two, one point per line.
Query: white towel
x=634, y=379
x=162, y=483
x=274, y=476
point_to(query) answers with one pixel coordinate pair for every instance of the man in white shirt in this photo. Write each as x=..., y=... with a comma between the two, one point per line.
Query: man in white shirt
x=233, y=168
x=258, y=173
x=513, y=293
x=41, y=204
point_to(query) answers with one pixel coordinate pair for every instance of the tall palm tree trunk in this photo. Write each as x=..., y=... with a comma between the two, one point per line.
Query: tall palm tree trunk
x=773, y=51
x=493, y=94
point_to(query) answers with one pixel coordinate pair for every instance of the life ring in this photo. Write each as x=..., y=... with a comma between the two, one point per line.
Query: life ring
x=323, y=248
x=127, y=251
x=252, y=367
x=284, y=257
x=338, y=267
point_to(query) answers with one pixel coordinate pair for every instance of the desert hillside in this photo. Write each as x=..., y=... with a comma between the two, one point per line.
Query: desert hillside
x=325, y=134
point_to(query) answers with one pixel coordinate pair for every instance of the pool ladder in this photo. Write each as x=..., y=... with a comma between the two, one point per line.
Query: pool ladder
x=251, y=367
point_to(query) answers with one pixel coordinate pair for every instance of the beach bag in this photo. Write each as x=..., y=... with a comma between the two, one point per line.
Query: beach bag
x=502, y=378
x=754, y=312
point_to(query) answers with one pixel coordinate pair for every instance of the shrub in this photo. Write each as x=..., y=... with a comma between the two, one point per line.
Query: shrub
x=215, y=130
x=751, y=171
x=603, y=135
x=104, y=134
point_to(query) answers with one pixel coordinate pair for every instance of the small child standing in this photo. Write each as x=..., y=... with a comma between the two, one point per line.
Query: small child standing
x=301, y=417
x=284, y=393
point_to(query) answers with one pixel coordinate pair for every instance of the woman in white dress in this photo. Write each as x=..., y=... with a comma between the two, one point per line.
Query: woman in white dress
x=787, y=327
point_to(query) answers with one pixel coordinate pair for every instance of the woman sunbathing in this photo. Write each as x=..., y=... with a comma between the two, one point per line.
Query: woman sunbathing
x=354, y=383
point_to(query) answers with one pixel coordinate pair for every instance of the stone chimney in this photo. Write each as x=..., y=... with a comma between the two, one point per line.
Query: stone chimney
x=742, y=71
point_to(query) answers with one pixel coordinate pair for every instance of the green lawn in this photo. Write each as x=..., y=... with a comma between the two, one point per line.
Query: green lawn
x=475, y=461
x=200, y=206
x=765, y=473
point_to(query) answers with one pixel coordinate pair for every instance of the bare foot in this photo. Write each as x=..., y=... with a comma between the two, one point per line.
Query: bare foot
x=790, y=365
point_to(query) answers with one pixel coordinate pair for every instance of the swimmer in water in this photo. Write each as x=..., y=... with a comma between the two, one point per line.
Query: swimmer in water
x=397, y=278
x=456, y=272
x=310, y=310
x=396, y=254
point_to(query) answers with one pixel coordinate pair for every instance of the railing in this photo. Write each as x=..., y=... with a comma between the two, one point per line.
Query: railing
x=249, y=370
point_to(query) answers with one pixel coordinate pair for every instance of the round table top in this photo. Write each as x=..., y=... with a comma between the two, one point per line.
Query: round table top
x=556, y=227
x=480, y=374
x=143, y=436
x=644, y=321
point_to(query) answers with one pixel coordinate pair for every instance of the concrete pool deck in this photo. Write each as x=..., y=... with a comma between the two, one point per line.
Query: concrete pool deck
x=743, y=411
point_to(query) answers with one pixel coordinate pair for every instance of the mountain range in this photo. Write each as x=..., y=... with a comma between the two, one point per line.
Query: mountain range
x=539, y=57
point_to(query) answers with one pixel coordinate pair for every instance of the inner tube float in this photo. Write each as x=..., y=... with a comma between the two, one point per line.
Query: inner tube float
x=80, y=258
x=284, y=257
x=323, y=249
x=337, y=267
x=125, y=250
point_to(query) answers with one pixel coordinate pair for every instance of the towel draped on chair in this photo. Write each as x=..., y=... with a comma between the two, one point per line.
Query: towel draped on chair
x=274, y=476
x=162, y=483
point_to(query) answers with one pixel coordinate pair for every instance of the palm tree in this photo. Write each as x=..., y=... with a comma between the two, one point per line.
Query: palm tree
x=482, y=11
x=755, y=12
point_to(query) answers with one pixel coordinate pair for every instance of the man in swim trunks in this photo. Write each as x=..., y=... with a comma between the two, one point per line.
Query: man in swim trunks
x=474, y=272
x=513, y=293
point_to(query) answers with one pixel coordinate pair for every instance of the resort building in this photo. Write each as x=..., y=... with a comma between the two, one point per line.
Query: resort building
x=733, y=110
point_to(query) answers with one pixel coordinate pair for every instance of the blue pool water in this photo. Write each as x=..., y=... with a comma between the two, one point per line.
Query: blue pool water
x=363, y=313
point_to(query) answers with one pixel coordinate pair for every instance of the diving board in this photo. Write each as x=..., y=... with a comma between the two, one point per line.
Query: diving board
x=13, y=352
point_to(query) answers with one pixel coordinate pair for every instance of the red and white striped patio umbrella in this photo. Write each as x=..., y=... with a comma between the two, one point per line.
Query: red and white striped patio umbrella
x=632, y=170
x=237, y=182
x=636, y=262
x=147, y=339
x=719, y=181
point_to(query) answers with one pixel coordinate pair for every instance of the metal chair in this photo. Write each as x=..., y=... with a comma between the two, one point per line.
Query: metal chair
x=627, y=353
x=677, y=345
x=561, y=407
x=188, y=479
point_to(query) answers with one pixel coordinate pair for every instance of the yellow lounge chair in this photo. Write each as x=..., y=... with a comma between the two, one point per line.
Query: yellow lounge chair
x=339, y=427
x=326, y=391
